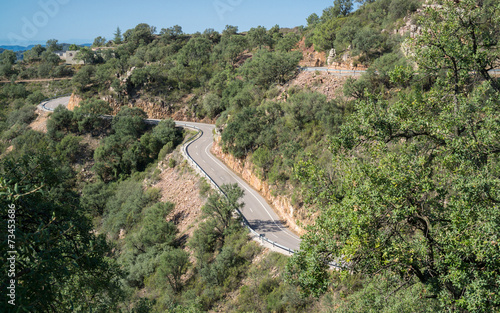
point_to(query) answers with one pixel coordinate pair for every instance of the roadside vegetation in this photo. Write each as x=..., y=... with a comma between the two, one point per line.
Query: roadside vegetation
x=400, y=170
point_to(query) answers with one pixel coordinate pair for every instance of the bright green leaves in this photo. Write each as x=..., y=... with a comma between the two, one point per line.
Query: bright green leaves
x=418, y=171
x=459, y=38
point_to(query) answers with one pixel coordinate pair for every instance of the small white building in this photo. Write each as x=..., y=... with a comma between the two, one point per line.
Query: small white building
x=69, y=56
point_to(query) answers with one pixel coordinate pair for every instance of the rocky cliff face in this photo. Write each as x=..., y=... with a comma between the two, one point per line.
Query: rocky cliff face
x=310, y=57
x=282, y=205
x=157, y=110
x=74, y=101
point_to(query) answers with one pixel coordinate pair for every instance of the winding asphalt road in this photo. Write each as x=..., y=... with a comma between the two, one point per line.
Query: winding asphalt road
x=256, y=210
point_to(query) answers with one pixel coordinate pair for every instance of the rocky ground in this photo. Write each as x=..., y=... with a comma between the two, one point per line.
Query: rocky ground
x=322, y=82
x=40, y=123
x=181, y=186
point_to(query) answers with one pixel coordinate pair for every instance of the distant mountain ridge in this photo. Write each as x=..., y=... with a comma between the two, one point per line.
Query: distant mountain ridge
x=25, y=48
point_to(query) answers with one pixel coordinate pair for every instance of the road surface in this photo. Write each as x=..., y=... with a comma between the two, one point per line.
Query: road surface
x=256, y=210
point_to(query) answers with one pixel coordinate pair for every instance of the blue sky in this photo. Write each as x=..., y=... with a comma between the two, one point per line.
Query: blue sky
x=80, y=21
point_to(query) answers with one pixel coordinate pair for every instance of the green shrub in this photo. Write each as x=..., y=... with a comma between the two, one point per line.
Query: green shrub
x=172, y=163
x=24, y=115
x=167, y=149
x=69, y=147
x=205, y=187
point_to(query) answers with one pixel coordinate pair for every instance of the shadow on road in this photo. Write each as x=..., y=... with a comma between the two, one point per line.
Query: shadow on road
x=263, y=227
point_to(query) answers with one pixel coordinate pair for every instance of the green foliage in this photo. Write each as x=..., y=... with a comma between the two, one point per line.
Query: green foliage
x=222, y=209
x=461, y=39
x=33, y=54
x=88, y=114
x=288, y=42
x=61, y=122
x=8, y=57
x=129, y=122
x=61, y=264
x=99, y=41
x=172, y=163
x=83, y=78
x=123, y=209
x=172, y=265
x=141, y=35
x=118, y=36
x=95, y=196
x=413, y=173
x=112, y=161
x=212, y=105
x=402, y=76
x=167, y=149
x=267, y=291
x=357, y=294
x=266, y=68
x=53, y=45
x=241, y=134
x=69, y=147
x=259, y=37
x=24, y=115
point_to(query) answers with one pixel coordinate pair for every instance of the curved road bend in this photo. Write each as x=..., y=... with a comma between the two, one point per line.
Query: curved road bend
x=256, y=210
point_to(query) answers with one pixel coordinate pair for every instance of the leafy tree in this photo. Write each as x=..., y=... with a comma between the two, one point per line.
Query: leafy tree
x=83, y=78
x=326, y=33
x=88, y=114
x=459, y=39
x=50, y=58
x=343, y=7
x=166, y=132
x=52, y=45
x=33, y=54
x=69, y=147
x=73, y=47
x=30, y=142
x=172, y=33
x=7, y=60
x=230, y=30
x=229, y=49
x=61, y=122
x=172, y=265
x=129, y=122
x=108, y=157
x=415, y=192
x=95, y=196
x=86, y=55
x=124, y=208
x=155, y=229
x=212, y=105
x=223, y=207
x=99, y=42
x=61, y=264
x=142, y=34
x=220, y=210
x=24, y=115
x=288, y=42
x=241, y=134
x=367, y=41
x=8, y=57
x=212, y=35
x=266, y=68
x=258, y=37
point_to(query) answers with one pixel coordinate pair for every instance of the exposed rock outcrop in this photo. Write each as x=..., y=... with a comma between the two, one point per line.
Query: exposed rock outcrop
x=74, y=101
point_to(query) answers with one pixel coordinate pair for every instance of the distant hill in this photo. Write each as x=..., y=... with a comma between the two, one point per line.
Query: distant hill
x=24, y=48
x=17, y=48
